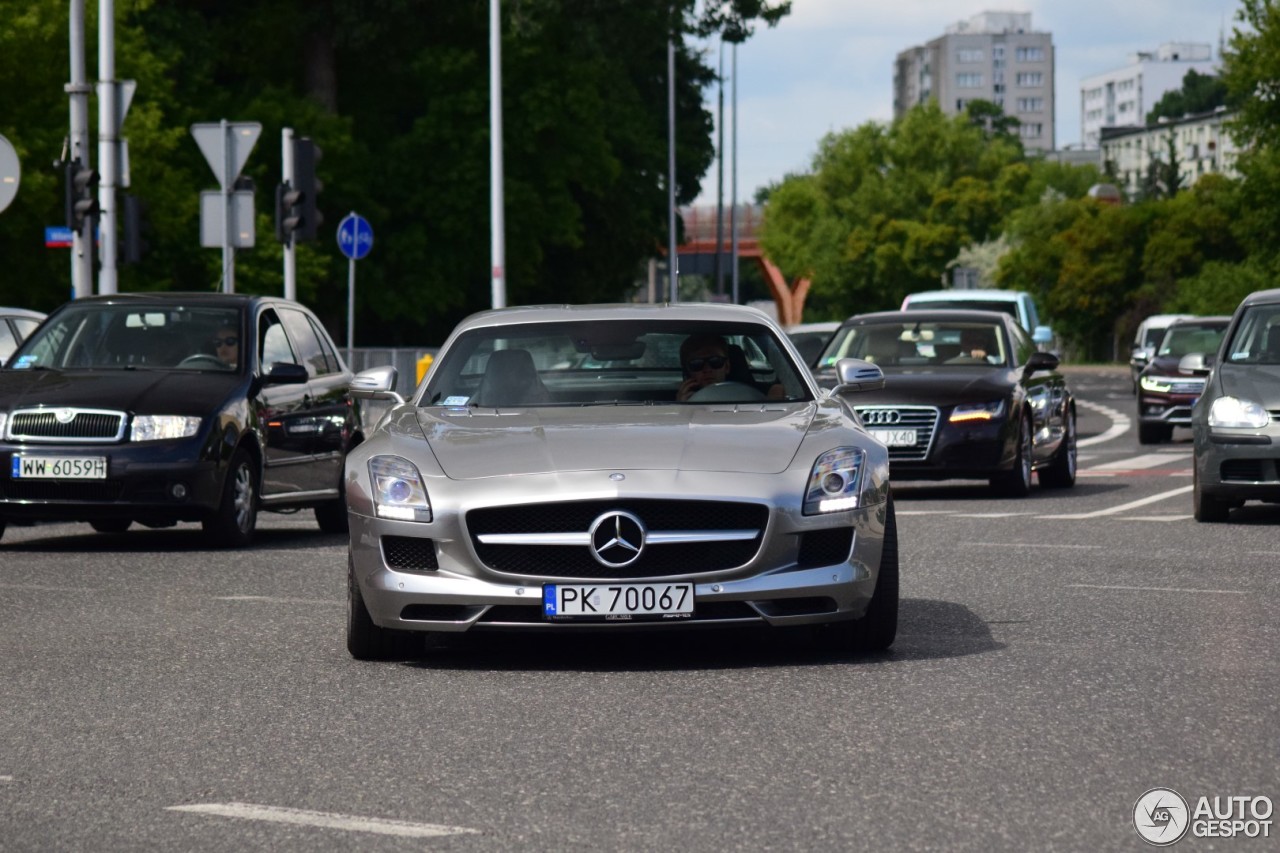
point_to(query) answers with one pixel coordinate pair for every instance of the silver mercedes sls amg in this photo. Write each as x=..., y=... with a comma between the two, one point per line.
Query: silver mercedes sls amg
x=572, y=468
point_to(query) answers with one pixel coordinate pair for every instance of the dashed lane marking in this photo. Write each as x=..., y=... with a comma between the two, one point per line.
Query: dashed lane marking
x=1159, y=589
x=273, y=600
x=1150, y=499
x=1135, y=463
x=324, y=820
x=1036, y=545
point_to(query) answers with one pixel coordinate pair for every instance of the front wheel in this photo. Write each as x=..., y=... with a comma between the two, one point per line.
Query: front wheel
x=1061, y=473
x=110, y=525
x=878, y=627
x=1016, y=482
x=1154, y=433
x=365, y=640
x=233, y=523
x=1207, y=507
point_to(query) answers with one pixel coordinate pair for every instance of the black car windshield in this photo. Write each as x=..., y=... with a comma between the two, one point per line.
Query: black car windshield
x=1182, y=340
x=621, y=362
x=1257, y=338
x=925, y=344
x=95, y=336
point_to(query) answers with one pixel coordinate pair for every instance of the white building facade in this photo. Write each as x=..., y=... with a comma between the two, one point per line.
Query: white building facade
x=993, y=56
x=1123, y=97
x=1201, y=145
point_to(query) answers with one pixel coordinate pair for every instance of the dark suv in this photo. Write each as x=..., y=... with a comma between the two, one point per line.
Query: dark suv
x=160, y=408
x=1167, y=391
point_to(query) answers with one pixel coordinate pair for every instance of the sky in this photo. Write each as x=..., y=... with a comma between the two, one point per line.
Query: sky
x=828, y=66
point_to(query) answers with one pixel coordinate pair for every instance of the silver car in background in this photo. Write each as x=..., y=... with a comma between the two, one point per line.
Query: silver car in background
x=545, y=477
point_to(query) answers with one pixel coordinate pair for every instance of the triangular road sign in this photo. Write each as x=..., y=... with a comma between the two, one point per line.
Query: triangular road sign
x=240, y=138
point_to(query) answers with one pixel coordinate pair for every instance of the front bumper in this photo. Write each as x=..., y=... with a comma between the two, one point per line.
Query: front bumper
x=162, y=481
x=1239, y=464
x=964, y=451
x=786, y=582
x=1171, y=409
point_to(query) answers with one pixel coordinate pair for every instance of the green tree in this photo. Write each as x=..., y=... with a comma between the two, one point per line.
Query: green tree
x=1200, y=93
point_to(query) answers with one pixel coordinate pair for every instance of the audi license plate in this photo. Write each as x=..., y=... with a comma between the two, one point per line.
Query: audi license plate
x=895, y=437
x=624, y=602
x=58, y=467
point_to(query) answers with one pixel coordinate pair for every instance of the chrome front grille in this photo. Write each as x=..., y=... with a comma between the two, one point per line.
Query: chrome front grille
x=66, y=425
x=922, y=419
x=683, y=537
x=1186, y=386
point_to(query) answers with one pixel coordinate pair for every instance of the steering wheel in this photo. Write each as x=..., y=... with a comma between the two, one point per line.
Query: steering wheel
x=203, y=360
x=727, y=392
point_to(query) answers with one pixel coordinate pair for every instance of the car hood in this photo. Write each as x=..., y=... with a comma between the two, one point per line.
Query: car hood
x=1257, y=382
x=148, y=391
x=474, y=443
x=946, y=386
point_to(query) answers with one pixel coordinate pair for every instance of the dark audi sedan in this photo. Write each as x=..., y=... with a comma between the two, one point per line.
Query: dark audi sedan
x=161, y=408
x=967, y=395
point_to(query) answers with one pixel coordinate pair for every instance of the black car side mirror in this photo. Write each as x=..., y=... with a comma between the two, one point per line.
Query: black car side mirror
x=285, y=373
x=1040, y=361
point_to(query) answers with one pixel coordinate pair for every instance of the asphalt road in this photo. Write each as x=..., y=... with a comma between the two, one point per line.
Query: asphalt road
x=1058, y=656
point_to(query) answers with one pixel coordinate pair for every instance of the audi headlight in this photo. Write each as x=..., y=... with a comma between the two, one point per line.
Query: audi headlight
x=161, y=427
x=1237, y=413
x=1159, y=384
x=977, y=412
x=835, y=482
x=398, y=490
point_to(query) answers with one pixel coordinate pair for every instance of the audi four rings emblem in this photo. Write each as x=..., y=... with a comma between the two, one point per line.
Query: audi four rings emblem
x=617, y=538
x=882, y=417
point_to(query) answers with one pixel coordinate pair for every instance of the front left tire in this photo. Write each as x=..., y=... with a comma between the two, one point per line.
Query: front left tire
x=1016, y=482
x=1207, y=508
x=365, y=640
x=233, y=523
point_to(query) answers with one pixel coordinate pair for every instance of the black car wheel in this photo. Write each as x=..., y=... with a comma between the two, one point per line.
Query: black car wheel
x=111, y=525
x=236, y=518
x=365, y=640
x=1016, y=482
x=1154, y=433
x=876, y=629
x=1061, y=473
x=1207, y=507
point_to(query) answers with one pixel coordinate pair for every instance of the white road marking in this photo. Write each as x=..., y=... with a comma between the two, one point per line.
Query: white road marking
x=1159, y=589
x=1135, y=463
x=1182, y=490
x=1026, y=545
x=1119, y=423
x=325, y=820
x=35, y=588
x=992, y=514
x=6, y=778
x=924, y=512
x=1157, y=517
x=272, y=600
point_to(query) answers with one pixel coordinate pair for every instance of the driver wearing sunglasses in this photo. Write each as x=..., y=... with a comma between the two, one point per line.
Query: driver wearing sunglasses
x=226, y=343
x=705, y=359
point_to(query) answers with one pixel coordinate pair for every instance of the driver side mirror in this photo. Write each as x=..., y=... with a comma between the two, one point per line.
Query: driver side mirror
x=285, y=373
x=1040, y=361
x=854, y=374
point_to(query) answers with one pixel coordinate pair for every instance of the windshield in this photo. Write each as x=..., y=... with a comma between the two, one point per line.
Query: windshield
x=1257, y=338
x=131, y=337
x=1181, y=340
x=614, y=363
x=946, y=344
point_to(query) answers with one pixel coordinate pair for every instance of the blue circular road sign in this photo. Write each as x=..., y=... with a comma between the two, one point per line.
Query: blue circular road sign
x=355, y=236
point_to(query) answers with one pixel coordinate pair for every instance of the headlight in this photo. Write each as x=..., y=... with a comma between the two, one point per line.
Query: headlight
x=1234, y=412
x=398, y=491
x=835, y=481
x=1160, y=385
x=160, y=427
x=977, y=412
x=3, y=418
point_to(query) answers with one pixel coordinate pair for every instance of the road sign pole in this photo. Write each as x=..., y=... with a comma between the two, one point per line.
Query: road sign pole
x=351, y=309
x=108, y=137
x=78, y=149
x=225, y=180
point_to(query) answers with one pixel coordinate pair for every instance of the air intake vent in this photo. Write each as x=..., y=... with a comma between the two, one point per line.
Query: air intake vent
x=409, y=553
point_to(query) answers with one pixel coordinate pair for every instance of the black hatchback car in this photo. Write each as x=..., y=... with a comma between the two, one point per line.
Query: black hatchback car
x=160, y=408
x=967, y=395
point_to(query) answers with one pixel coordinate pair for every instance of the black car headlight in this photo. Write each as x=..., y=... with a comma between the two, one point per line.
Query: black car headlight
x=977, y=412
x=398, y=490
x=835, y=481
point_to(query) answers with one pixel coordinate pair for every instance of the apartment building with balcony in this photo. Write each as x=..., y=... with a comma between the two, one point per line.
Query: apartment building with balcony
x=993, y=56
x=1200, y=144
x=1123, y=97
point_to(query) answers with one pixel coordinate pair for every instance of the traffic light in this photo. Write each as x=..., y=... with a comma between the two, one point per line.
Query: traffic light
x=135, y=224
x=305, y=157
x=81, y=194
x=288, y=212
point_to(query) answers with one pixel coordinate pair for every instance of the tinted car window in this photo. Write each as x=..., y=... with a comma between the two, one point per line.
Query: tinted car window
x=275, y=343
x=309, y=351
x=1023, y=346
x=1181, y=340
x=331, y=360
x=1256, y=339
x=916, y=344
x=8, y=343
